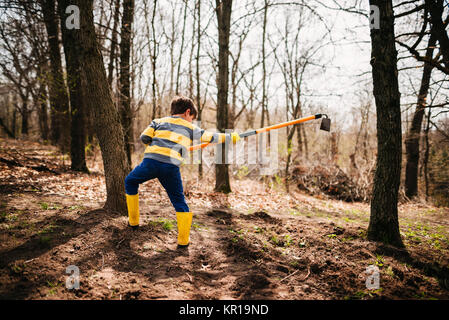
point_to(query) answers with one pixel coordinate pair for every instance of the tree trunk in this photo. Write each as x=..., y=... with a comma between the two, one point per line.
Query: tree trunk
x=223, y=9
x=5, y=127
x=112, y=53
x=181, y=49
x=14, y=123
x=289, y=155
x=172, y=40
x=24, y=112
x=78, y=126
x=43, y=113
x=59, y=101
x=125, y=93
x=78, y=130
x=153, y=56
x=192, y=49
x=305, y=143
x=200, y=165
x=99, y=102
x=264, y=68
x=426, y=154
x=436, y=9
x=412, y=139
x=299, y=140
x=384, y=223
x=198, y=79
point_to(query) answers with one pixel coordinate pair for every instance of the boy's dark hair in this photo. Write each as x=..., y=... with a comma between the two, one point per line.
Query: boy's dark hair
x=181, y=104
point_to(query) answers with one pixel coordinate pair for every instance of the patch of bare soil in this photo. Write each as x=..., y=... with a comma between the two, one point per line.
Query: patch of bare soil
x=307, y=250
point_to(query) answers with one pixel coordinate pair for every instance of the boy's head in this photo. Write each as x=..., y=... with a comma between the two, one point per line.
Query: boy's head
x=183, y=106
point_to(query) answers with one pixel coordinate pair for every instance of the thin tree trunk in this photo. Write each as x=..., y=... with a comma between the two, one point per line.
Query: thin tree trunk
x=153, y=61
x=78, y=128
x=192, y=49
x=43, y=113
x=198, y=79
x=59, y=101
x=289, y=155
x=181, y=50
x=172, y=50
x=24, y=112
x=14, y=123
x=99, y=102
x=426, y=155
x=264, y=68
x=112, y=54
x=223, y=10
x=412, y=139
x=125, y=94
x=384, y=223
x=299, y=140
x=305, y=142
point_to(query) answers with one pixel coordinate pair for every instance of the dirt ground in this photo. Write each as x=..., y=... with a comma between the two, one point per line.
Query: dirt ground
x=256, y=243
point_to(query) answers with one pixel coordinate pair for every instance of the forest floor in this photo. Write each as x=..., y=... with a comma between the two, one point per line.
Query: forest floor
x=255, y=243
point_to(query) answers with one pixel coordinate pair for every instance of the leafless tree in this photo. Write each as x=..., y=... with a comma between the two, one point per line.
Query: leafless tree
x=223, y=10
x=384, y=223
x=59, y=100
x=23, y=61
x=125, y=75
x=99, y=101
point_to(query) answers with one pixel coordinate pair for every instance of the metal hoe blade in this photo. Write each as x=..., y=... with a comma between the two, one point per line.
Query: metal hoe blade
x=326, y=124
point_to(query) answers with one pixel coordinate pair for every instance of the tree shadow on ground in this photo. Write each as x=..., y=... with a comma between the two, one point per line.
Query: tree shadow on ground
x=428, y=268
x=40, y=243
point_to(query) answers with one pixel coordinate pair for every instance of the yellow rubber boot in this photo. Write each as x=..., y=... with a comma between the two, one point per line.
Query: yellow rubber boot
x=184, y=220
x=133, y=209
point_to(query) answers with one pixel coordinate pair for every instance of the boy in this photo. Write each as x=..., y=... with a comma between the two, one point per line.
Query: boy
x=167, y=140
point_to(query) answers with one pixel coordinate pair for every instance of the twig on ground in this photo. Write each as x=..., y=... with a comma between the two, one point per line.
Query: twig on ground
x=289, y=275
x=308, y=274
x=118, y=244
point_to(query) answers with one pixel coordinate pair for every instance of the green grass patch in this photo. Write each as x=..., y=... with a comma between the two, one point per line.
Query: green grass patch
x=47, y=206
x=53, y=287
x=288, y=241
x=3, y=216
x=389, y=271
x=197, y=225
x=412, y=236
x=242, y=172
x=48, y=229
x=302, y=243
x=166, y=224
x=44, y=205
x=363, y=294
x=258, y=229
x=380, y=262
x=9, y=217
x=274, y=240
x=44, y=241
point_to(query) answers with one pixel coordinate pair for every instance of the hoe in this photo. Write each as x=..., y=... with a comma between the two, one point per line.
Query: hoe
x=325, y=125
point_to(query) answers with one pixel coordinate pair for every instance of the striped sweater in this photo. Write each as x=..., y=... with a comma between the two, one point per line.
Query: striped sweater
x=169, y=138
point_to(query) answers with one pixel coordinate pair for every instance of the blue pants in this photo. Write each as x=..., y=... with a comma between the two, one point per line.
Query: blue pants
x=168, y=175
